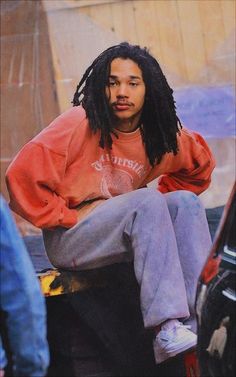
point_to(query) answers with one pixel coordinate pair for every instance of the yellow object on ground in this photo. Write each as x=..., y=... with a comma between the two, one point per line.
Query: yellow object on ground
x=54, y=282
x=46, y=280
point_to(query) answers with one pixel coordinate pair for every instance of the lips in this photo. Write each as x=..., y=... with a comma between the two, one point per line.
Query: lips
x=121, y=106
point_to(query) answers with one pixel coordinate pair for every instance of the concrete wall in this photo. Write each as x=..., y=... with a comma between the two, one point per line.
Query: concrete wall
x=193, y=40
x=28, y=91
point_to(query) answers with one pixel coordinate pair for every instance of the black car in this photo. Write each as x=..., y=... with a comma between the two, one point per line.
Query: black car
x=216, y=300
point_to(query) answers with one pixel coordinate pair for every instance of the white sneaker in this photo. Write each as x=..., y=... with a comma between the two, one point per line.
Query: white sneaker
x=173, y=338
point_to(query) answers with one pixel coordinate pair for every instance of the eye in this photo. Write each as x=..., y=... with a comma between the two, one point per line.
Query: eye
x=133, y=83
x=112, y=83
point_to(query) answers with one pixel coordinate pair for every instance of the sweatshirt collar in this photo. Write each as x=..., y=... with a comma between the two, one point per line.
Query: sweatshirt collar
x=126, y=136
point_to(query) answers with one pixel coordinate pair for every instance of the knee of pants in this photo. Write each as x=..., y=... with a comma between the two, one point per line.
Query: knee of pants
x=184, y=200
x=151, y=198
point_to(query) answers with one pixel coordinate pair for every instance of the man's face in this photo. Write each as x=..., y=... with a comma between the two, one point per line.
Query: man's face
x=126, y=92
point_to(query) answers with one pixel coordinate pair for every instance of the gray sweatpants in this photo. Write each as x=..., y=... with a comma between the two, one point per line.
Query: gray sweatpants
x=166, y=235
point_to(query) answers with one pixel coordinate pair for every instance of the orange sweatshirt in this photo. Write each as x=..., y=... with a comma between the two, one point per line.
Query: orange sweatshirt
x=64, y=166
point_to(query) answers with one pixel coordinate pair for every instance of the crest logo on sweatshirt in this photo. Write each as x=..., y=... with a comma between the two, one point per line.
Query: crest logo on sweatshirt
x=115, y=182
x=117, y=174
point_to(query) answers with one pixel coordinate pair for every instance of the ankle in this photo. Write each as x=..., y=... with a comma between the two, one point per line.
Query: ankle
x=157, y=329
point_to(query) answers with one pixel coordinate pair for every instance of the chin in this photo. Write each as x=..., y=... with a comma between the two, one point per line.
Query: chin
x=122, y=118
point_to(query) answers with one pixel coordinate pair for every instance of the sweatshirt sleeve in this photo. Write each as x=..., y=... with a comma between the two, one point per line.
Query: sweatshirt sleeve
x=192, y=167
x=32, y=179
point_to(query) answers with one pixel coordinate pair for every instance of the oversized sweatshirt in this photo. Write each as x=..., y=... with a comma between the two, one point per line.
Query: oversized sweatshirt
x=64, y=166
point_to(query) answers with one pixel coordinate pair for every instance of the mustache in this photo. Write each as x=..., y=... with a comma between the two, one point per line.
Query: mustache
x=122, y=102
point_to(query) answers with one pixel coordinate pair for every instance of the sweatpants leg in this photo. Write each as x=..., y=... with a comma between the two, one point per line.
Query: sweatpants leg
x=136, y=226
x=193, y=240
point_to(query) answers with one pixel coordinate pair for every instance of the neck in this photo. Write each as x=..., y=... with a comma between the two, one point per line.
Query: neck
x=127, y=125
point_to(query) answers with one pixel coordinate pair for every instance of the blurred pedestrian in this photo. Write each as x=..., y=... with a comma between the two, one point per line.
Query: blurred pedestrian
x=22, y=305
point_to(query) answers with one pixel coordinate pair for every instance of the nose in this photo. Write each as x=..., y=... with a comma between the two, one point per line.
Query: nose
x=122, y=91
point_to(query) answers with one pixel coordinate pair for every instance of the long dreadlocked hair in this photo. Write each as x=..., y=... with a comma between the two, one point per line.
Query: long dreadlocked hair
x=160, y=123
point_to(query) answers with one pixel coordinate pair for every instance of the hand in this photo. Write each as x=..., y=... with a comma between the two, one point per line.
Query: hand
x=86, y=209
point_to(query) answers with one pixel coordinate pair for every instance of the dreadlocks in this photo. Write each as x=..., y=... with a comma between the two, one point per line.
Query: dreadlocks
x=160, y=123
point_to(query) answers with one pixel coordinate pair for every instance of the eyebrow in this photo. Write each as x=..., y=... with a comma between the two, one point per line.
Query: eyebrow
x=131, y=77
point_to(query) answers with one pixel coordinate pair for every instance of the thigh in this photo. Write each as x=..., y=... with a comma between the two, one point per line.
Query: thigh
x=98, y=239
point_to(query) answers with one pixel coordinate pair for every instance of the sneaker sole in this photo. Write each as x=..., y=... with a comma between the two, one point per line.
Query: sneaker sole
x=161, y=357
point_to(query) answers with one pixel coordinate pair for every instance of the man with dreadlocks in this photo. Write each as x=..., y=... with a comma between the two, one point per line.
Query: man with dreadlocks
x=84, y=178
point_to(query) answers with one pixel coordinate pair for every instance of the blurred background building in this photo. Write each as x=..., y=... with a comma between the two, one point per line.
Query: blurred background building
x=47, y=44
